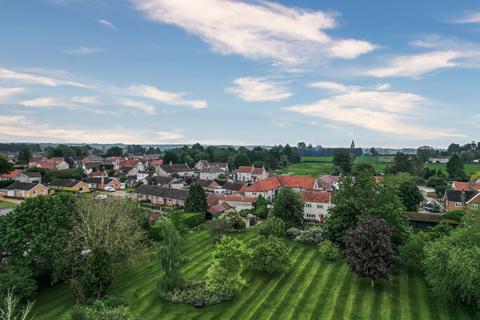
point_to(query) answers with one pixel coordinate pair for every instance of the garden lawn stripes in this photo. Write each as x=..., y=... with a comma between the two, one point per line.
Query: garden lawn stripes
x=404, y=300
x=368, y=295
x=376, y=312
x=299, y=258
x=422, y=298
x=304, y=305
x=342, y=297
x=328, y=311
x=353, y=298
x=294, y=282
x=412, y=295
x=395, y=304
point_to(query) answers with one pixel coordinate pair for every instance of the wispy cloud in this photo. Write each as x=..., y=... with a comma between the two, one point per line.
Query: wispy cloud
x=76, y=103
x=380, y=111
x=170, y=98
x=469, y=17
x=20, y=128
x=139, y=105
x=106, y=23
x=81, y=50
x=255, y=89
x=31, y=78
x=6, y=93
x=257, y=30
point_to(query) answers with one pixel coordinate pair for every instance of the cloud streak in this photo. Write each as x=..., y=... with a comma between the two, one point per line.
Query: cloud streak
x=106, y=23
x=166, y=97
x=81, y=50
x=30, y=78
x=261, y=30
x=258, y=89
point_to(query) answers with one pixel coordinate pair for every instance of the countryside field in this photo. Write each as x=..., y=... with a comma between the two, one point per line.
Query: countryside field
x=315, y=166
x=313, y=289
x=6, y=204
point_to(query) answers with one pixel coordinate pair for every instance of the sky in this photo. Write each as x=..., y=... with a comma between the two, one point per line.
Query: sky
x=382, y=73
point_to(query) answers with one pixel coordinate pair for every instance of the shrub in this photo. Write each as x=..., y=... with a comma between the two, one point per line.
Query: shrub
x=270, y=255
x=272, y=227
x=17, y=281
x=413, y=251
x=101, y=309
x=236, y=222
x=193, y=219
x=329, y=250
x=455, y=215
x=196, y=293
x=310, y=236
x=292, y=233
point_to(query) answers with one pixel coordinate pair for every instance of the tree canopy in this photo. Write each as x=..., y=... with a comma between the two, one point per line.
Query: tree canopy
x=288, y=206
x=196, y=199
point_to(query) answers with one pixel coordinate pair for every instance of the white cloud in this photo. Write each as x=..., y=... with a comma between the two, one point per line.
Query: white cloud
x=76, y=103
x=6, y=93
x=380, y=111
x=19, y=128
x=383, y=86
x=258, y=89
x=147, y=108
x=106, y=23
x=470, y=17
x=46, y=102
x=23, y=77
x=81, y=50
x=170, y=98
x=256, y=30
x=331, y=86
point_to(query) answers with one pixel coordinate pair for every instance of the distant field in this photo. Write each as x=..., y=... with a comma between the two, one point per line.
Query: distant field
x=312, y=289
x=315, y=166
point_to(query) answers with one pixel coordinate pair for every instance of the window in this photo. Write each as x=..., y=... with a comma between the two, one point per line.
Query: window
x=320, y=206
x=458, y=204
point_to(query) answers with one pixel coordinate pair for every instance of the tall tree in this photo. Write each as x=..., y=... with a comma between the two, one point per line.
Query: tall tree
x=288, y=206
x=343, y=160
x=114, y=152
x=424, y=153
x=170, y=254
x=410, y=195
x=196, y=199
x=369, y=251
x=241, y=160
x=25, y=155
x=455, y=168
x=5, y=165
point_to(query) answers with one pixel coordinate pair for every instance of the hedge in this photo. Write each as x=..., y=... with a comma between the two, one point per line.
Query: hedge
x=193, y=219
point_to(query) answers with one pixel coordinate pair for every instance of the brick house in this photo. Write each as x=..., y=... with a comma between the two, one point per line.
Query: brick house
x=24, y=190
x=462, y=199
x=69, y=185
x=250, y=174
x=160, y=195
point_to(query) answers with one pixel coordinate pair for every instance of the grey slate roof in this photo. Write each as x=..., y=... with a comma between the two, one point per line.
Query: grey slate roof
x=460, y=195
x=64, y=183
x=172, y=168
x=157, y=191
x=21, y=186
x=233, y=186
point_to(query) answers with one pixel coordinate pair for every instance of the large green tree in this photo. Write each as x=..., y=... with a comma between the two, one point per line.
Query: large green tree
x=5, y=165
x=170, y=254
x=455, y=168
x=410, y=195
x=25, y=155
x=424, y=153
x=269, y=255
x=343, y=160
x=196, y=199
x=114, y=152
x=288, y=206
x=369, y=251
x=451, y=263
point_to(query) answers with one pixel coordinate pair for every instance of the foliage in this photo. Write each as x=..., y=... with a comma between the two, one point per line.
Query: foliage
x=102, y=310
x=25, y=155
x=114, y=152
x=260, y=208
x=234, y=220
x=328, y=250
x=412, y=252
x=224, y=273
x=217, y=228
x=424, y=153
x=194, y=293
x=39, y=226
x=439, y=183
x=269, y=255
x=410, y=195
x=170, y=254
x=455, y=215
x=5, y=165
x=343, y=160
x=451, y=263
x=455, y=168
x=288, y=206
x=363, y=167
x=135, y=149
x=5, y=183
x=10, y=309
x=193, y=219
x=369, y=251
x=273, y=226
x=95, y=277
x=17, y=280
x=196, y=199
x=310, y=236
x=292, y=233
x=50, y=175
x=406, y=163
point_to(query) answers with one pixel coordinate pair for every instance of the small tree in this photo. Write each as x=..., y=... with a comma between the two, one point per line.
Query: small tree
x=455, y=168
x=328, y=250
x=274, y=226
x=25, y=155
x=196, y=199
x=288, y=206
x=369, y=251
x=170, y=253
x=217, y=228
x=410, y=195
x=412, y=252
x=343, y=160
x=5, y=165
x=260, y=207
x=269, y=255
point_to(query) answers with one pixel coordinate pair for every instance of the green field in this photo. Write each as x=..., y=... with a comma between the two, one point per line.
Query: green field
x=315, y=166
x=312, y=289
x=6, y=204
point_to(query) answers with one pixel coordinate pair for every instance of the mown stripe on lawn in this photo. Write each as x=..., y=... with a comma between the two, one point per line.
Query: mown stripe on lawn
x=296, y=279
x=404, y=301
x=305, y=306
x=395, y=307
x=376, y=312
x=328, y=311
x=247, y=301
x=353, y=294
x=422, y=299
x=368, y=295
x=413, y=297
x=325, y=294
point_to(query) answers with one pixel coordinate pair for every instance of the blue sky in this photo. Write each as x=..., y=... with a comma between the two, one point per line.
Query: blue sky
x=384, y=73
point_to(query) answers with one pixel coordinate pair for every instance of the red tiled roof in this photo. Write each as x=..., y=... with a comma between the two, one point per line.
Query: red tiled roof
x=245, y=169
x=235, y=198
x=257, y=171
x=155, y=163
x=296, y=182
x=457, y=185
x=11, y=174
x=219, y=208
x=212, y=200
x=264, y=185
x=316, y=196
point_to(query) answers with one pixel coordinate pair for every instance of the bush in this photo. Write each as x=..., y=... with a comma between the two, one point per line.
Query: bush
x=17, y=280
x=329, y=250
x=455, y=215
x=310, y=236
x=413, y=251
x=102, y=310
x=193, y=219
x=196, y=293
x=292, y=233
x=270, y=255
x=272, y=227
x=236, y=222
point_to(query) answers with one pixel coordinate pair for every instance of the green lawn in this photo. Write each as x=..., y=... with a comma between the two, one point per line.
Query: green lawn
x=315, y=166
x=6, y=204
x=312, y=289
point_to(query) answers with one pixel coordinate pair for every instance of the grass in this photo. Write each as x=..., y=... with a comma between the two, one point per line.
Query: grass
x=4, y=205
x=312, y=289
x=315, y=166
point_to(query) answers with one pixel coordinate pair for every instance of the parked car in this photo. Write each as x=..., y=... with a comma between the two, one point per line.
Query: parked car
x=109, y=189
